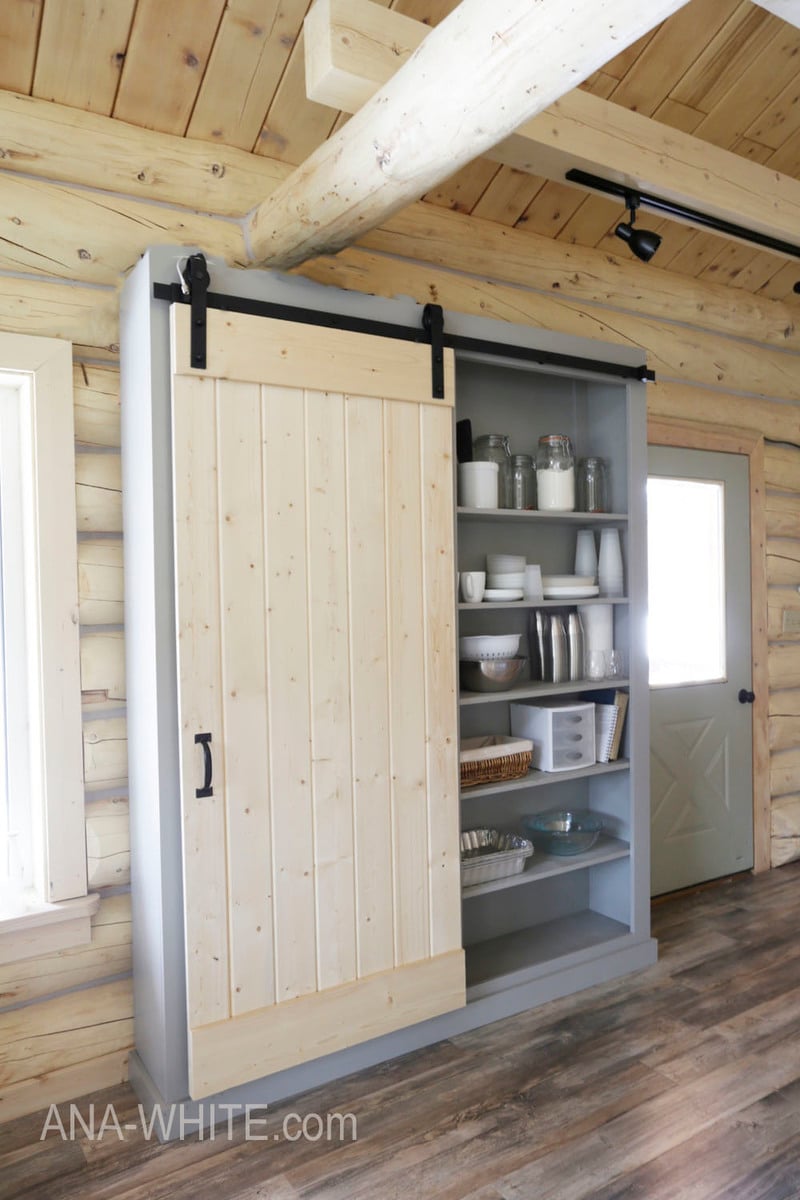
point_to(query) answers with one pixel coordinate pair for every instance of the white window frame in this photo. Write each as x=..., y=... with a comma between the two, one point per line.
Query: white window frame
x=48, y=908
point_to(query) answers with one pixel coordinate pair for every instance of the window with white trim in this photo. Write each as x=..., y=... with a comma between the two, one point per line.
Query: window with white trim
x=43, y=901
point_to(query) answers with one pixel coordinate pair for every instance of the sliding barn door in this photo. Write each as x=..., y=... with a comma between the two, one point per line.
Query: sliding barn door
x=317, y=690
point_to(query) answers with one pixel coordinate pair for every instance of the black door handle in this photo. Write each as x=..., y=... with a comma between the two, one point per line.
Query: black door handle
x=204, y=740
x=746, y=697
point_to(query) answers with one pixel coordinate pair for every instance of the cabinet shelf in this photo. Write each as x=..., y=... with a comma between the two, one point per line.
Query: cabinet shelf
x=542, y=778
x=514, y=958
x=545, y=866
x=528, y=691
x=548, y=518
x=566, y=602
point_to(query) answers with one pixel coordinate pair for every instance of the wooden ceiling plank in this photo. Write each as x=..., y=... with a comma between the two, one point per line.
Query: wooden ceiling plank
x=250, y=53
x=664, y=60
x=717, y=68
x=759, y=271
x=621, y=63
x=550, y=209
x=593, y=220
x=755, y=152
x=677, y=116
x=19, y=36
x=474, y=72
x=599, y=84
x=698, y=252
x=781, y=284
x=757, y=85
x=604, y=138
x=51, y=141
x=167, y=55
x=674, y=238
x=780, y=120
x=728, y=264
x=787, y=159
x=462, y=191
x=82, y=46
x=507, y=196
x=787, y=10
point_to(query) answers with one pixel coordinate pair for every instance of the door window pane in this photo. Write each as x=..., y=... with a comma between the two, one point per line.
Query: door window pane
x=686, y=581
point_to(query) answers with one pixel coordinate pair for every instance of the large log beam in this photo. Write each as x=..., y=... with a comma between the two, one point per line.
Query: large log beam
x=355, y=46
x=481, y=73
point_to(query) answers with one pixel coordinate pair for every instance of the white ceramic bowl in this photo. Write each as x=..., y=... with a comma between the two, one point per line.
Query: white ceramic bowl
x=504, y=564
x=488, y=646
x=514, y=579
x=559, y=581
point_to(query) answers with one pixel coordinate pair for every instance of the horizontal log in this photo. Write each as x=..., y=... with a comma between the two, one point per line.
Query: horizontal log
x=52, y=141
x=784, y=666
x=784, y=702
x=108, y=843
x=108, y=954
x=65, y=1031
x=784, y=772
x=453, y=240
x=63, y=310
x=60, y=1085
x=691, y=402
x=105, y=753
x=674, y=352
x=101, y=582
x=783, y=614
x=782, y=565
x=103, y=664
x=95, y=237
x=95, y=392
x=784, y=734
x=98, y=492
x=785, y=816
x=784, y=850
x=783, y=514
x=782, y=467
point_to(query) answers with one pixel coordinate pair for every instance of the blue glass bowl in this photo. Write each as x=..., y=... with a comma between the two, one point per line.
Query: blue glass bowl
x=564, y=831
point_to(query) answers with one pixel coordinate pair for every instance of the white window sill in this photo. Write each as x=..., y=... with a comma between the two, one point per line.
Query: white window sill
x=30, y=927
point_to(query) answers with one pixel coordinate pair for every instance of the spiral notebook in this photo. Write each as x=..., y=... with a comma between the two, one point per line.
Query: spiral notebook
x=610, y=708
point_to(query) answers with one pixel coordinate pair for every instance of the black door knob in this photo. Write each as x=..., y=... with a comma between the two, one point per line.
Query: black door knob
x=746, y=697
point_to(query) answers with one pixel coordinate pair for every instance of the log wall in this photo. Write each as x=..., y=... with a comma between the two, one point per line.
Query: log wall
x=728, y=366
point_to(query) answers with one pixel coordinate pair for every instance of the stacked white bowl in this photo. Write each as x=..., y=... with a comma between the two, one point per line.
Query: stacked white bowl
x=505, y=571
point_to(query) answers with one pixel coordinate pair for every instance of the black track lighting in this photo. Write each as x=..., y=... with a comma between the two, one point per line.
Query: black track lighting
x=643, y=242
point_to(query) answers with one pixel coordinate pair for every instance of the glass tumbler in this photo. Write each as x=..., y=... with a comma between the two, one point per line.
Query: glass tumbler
x=592, y=485
x=494, y=447
x=522, y=488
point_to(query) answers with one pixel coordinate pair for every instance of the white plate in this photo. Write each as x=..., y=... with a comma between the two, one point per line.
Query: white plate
x=502, y=594
x=554, y=581
x=565, y=593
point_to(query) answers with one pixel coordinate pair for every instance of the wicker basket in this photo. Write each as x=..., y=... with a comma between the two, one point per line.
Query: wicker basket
x=487, y=854
x=494, y=759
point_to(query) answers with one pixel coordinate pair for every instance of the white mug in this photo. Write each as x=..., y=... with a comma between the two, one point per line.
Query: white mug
x=473, y=584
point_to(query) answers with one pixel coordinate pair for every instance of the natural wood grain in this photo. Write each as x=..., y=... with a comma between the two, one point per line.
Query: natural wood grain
x=79, y=314
x=81, y=51
x=164, y=99
x=95, y=394
x=782, y=467
x=98, y=493
x=108, y=847
x=19, y=35
x=103, y=664
x=105, y=753
x=100, y=582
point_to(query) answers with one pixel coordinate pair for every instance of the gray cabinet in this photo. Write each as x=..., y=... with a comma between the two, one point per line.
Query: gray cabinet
x=562, y=918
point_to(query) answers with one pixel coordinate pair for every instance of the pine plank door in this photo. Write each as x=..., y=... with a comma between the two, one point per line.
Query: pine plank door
x=314, y=555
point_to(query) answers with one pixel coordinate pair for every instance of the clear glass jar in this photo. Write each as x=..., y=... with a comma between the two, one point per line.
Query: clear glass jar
x=555, y=473
x=494, y=447
x=592, y=485
x=522, y=482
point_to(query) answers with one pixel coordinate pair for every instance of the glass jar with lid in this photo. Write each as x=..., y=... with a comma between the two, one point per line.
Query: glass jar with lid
x=522, y=482
x=555, y=473
x=494, y=447
x=592, y=485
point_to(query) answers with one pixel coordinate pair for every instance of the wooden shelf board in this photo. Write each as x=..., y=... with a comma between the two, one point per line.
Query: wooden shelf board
x=524, y=514
x=544, y=866
x=529, y=690
x=514, y=957
x=542, y=778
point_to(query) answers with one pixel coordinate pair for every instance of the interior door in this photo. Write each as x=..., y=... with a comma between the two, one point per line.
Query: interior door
x=316, y=659
x=699, y=643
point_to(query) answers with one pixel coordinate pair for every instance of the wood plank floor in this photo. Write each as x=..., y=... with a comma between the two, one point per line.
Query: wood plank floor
x=679, y=1083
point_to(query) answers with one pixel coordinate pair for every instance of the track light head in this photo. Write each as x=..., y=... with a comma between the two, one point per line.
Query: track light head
x=643, y=242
